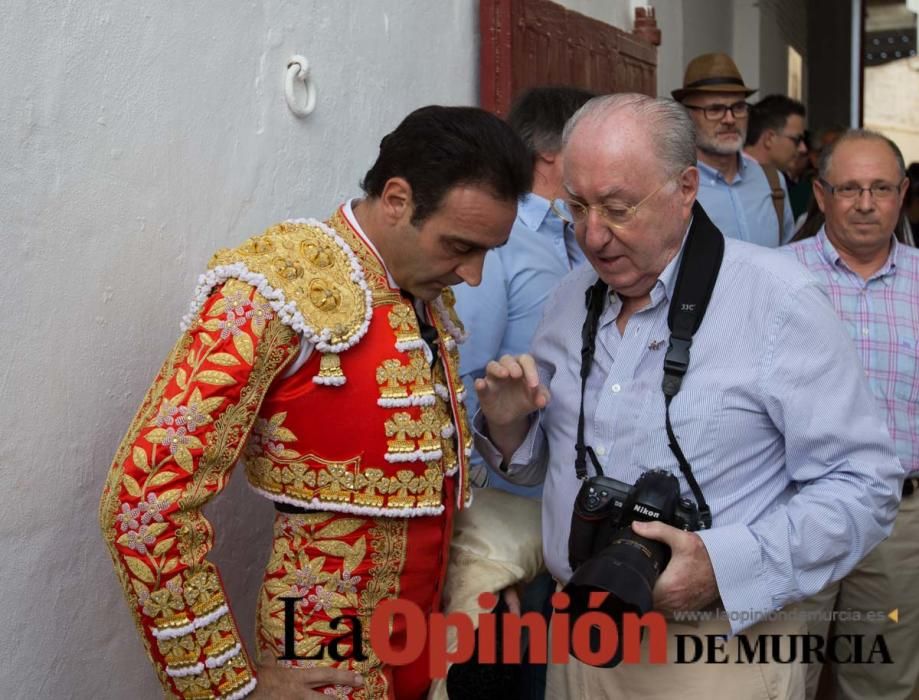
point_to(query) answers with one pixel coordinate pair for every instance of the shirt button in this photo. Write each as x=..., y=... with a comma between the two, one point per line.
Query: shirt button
x=865, y=331
x=600, y=451
x=616, y=388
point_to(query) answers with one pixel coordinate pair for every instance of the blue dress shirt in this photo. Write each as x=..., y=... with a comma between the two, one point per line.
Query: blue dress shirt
x=501, y=314
x=743, y=209
x=774, y=415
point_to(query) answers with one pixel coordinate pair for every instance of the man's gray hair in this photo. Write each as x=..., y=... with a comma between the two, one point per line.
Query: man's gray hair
x=826, y=156
x=670, y=127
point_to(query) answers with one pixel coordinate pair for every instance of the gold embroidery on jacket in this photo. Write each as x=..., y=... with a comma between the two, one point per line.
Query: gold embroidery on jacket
x=174, y=427
x=374, y=272
x=400, y=381
x=330, y=366
x=404, y=323
x=312, y=269
x=391, y=378
x=388, y=541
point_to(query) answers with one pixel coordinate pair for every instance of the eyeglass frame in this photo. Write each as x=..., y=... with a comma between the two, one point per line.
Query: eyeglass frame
x=796, y=140
x=833, y=190
x=602, y=209
x=723, y=109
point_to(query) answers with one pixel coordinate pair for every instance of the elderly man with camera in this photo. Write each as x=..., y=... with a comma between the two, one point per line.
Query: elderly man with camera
x=710, y=444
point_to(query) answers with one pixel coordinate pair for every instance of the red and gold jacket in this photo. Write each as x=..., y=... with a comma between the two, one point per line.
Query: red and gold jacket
x=365, y=426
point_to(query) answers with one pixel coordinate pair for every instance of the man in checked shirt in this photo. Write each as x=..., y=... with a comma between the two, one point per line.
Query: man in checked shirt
x=873, y=282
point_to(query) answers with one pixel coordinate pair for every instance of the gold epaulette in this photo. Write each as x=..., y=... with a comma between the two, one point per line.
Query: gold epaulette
x=308, y=274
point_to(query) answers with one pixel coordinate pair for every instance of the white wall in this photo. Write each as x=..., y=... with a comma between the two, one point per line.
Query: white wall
x=136, y=139
x=783, y=23
x=671, y=62
x=707, y=28
x=746, y=22
x=619, y=13
x=892, y=103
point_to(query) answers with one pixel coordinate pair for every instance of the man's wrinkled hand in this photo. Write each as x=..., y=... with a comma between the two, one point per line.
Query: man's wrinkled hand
x=688, y=582
x=508, y=393
x=280, y=683
x=510, y=390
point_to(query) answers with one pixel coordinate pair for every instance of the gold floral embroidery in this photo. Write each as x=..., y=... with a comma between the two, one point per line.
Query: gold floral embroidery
x=391, y=378
x=399, y=381
x=150, y=507
x=404, y=322
x=371, y=487
x=312, y=477
x=337, y=565
x=418, y=375
x=429, y=428
x=401, y=427
x=195, y=687
x=314, y=272
x=373, y=270
x=388, y=541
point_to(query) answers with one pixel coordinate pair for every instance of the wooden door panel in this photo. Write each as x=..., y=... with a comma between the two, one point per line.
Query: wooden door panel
x=525, y=43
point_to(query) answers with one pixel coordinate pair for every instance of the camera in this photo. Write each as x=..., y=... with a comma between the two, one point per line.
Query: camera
x=607, y=556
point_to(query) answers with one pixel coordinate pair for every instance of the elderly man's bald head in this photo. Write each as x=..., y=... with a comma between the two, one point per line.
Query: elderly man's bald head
x=663, y=122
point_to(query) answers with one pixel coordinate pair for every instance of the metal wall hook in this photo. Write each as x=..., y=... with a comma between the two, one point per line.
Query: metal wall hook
x=298, y=70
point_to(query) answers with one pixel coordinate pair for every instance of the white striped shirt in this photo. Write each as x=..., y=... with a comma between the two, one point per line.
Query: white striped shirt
x=774, y=416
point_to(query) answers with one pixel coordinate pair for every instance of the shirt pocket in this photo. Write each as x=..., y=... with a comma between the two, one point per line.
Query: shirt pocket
x=906, y=376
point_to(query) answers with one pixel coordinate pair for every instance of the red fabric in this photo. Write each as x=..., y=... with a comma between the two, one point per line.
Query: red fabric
x=313, y=561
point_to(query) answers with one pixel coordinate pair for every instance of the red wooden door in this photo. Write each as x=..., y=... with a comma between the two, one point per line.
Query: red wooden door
x=525, y=43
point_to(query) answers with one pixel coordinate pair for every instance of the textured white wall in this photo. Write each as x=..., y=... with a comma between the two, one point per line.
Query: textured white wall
x=892, y=103
x=707, y=27
x=616, y=12
x=783, y=23
x=747, y=22
x=136, y=139
x=671, y=62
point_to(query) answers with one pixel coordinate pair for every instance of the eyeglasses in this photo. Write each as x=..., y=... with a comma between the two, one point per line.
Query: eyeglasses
x=796, y=140
x=716, y=112
x=616, y=215
x=879, y=191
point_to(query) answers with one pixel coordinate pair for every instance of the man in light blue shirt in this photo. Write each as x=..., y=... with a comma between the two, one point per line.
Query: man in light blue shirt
x=733, y=187
x=774, y=415
x=501, y=314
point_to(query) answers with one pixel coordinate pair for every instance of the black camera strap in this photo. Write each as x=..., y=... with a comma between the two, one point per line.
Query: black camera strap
x=594, y=297
x=696, y=277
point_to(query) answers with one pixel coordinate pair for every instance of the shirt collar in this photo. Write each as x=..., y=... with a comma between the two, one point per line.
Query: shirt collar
x=831, y=255
x=743, y=162
x=715, y=174
x=348, y=212
x=532, y=210
x=666, y=283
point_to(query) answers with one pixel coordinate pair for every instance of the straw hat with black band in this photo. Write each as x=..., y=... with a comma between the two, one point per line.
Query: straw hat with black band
x=712, y=72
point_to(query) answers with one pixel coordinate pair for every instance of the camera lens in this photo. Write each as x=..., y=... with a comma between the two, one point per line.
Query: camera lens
x=627, y=570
